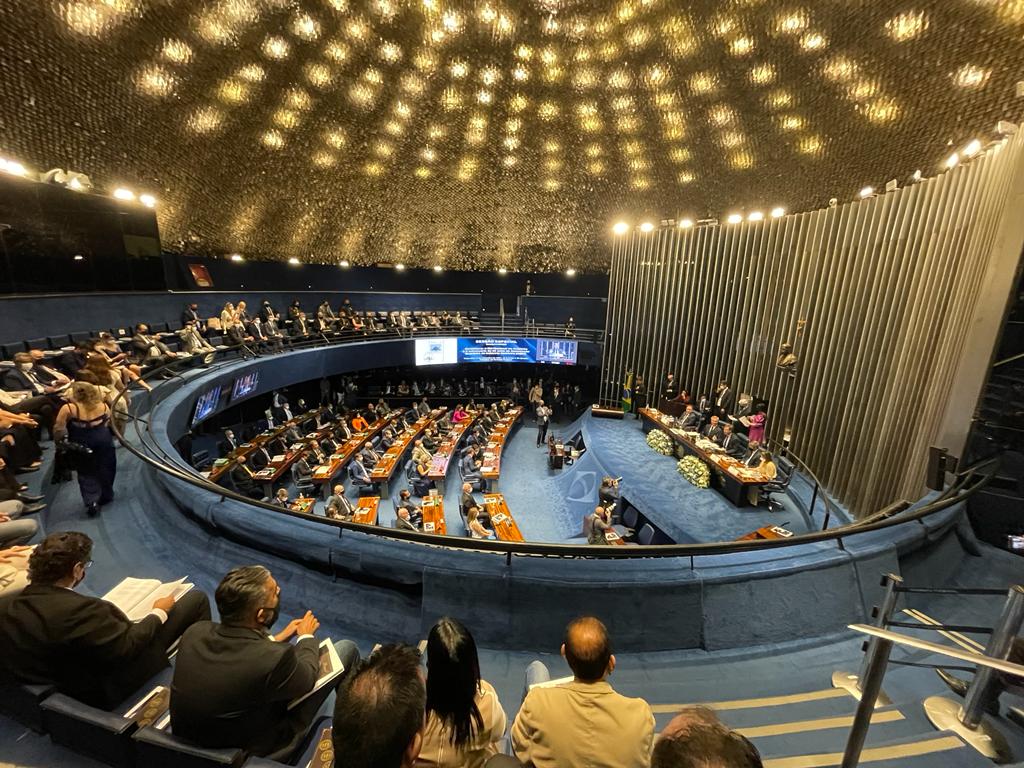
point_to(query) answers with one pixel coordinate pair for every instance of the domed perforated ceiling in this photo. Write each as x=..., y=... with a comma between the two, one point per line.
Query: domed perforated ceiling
x=484, y=134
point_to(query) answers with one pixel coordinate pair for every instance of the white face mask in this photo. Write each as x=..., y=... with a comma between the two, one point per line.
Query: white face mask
x=25, y=366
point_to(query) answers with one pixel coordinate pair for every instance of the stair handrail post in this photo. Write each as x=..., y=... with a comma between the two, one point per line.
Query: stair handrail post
x=885, y=610
x=877, y=658
x=999, y=645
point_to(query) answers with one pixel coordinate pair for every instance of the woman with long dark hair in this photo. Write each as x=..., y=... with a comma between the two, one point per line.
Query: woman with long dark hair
x=465, y=721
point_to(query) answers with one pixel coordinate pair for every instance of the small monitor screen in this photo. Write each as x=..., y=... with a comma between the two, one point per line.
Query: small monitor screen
x=556, y=351
x=207, y=404
x=245, y=385
x=443, y=351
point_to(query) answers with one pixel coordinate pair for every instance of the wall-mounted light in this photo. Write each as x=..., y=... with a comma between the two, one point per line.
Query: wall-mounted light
x=438, y=268
x=502, y=271
x=685, y=223
x=755, y=216
x=620, y=228
x=570, y=272
x=778, y=212
x=399, y=267
x=12, y=167
x=293, y=260
x=647, y=227
x=867, y=192
x=343, y=263
x=124, y=194
x=734, y=218
x=972, y=148
x=148, y=200
x=236, y=257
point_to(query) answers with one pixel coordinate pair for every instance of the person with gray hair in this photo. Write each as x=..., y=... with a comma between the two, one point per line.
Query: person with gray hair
x=233, y=681
x=696, y=738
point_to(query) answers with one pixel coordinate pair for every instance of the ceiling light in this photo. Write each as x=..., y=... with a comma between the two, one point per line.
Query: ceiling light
x=124, y=194
x=952, y=160
x=236, y=257
x=570, y=272
x=13, y=168
x=76, y=185
x=646, y=227
x=778, y=213
x=399, y=267
x=734, y=218
x=343, y=263
x=620, y=228
x=78, y=257
x=148, y=200
x=867, y=192
x=916, y=175
x=438, y=268
x=685, y=223
x=972, y=149
x=293, y=260
x=755, y=216
x=502, y=271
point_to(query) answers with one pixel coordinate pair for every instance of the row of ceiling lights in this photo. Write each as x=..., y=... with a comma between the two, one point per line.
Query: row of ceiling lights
x=398, y=267
x=622, y=227
x=73, y=180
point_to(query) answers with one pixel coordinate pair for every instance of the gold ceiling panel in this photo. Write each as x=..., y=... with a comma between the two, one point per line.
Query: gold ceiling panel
x=421, y=131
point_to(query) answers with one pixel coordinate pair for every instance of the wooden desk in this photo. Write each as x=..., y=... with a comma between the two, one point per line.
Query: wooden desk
x=502, y=522
x=490, y=470
x=391, y=461
x=325, y=474
x=767, y=532
x=303, y=504
x=246, y=449
x=614, y=539
x=449, y=447
x=366, y=510
x=433, y=515
x=729, y=475
x=556, y=455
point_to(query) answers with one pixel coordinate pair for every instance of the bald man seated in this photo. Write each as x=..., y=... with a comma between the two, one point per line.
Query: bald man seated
x=584, y=722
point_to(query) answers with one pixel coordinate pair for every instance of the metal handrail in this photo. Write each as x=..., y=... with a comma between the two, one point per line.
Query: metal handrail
x=968, y=481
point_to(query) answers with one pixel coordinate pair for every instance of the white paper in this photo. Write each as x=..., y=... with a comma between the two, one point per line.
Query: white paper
x=135, y=597
x=553, y=683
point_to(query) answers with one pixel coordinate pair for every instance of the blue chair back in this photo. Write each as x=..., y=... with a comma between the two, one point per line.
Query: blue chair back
x=646, y=535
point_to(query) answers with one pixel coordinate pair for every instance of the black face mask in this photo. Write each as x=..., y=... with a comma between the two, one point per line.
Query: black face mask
x=271, y=619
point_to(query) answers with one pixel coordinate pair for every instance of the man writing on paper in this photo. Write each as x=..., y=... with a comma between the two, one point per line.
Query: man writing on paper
x=84, y=645
x=233, y=681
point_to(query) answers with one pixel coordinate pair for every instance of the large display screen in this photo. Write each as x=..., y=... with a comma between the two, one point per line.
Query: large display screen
x=245, y=385
x=207, y=404
x=449, y=351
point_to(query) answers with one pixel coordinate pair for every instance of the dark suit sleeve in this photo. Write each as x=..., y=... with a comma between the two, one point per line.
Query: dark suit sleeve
x=101, y=630
x=12, y=382
x=296, y=672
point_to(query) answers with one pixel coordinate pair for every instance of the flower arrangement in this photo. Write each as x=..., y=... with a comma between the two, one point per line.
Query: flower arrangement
x=694, y=470
x=660, y=442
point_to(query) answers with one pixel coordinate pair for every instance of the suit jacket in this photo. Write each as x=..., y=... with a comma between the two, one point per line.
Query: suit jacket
x=72, y=361
x=404, y=525
x=714, y=433
x=583, y=724
x=85, y=646
x=724, y=400
x=188, y=314
x=16, y=379
x=141, y=346
x=339, y=508
x=734, y=446
x=232, y=686
x=358, y=472
x=691, y=421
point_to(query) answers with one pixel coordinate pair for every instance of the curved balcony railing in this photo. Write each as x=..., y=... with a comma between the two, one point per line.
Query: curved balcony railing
x=967, y=482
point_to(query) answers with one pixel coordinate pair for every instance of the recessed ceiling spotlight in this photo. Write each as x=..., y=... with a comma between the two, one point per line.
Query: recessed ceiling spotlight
x=124, y=194
x=399, y=267
x=734, y=218
x=620, y=228
x=148, y=200
x=236, y=257
x=343, y=263
x=570, y=272
x=502, y=271
x=685, y=223
x=78, y=257
x=952, y=160
x=438, y=268
x=293, y=260
x=867, y=192
x=973, y=148
x=755, y=216
x=646, y=227
x=778, y=212
x=12, y=167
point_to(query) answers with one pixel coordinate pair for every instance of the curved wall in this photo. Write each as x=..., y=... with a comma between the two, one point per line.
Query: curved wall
x=524, y=601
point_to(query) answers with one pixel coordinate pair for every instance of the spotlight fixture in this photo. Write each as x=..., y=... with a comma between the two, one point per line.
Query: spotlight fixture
x=293, y=260
x=892, y=185
x=685, y=223
x=1006, y=128
x=833, y=202
x=973, y=148
x=148, y=200
x=953, y=160
x=916, y=176
x=399, y=267
x=867, y=192
x=755, y=216
x=778, y=212
x=343, y=263
x=124, y=194
x=236, y=257
x=502, y=271
x=12, y=167
x=570, y=272
x=78, y=257
x=620, y=228
x=646, y=227
x=734, y=218
x=438, y=268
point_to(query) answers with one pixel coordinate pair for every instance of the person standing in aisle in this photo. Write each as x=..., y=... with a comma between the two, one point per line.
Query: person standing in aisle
x=543, y=418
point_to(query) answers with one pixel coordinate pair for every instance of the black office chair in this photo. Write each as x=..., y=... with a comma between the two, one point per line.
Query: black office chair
x=784, y=470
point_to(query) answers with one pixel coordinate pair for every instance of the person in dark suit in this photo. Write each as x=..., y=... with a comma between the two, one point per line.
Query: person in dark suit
x=690, y=420
x=713, y=430
x=753, y=456
x=724, y=399
x=731, y=443
x=233, y=681
x=27, y=376
x=402, y=520
x=337, y=506
x=83, y=645
x=281, y=498
x=229, y=443
x=190, y=314
x=242, y=479
x=669, y=388
x=73, y=360
x=405, y=502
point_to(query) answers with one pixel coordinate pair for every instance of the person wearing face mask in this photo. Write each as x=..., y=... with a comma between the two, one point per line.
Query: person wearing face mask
x=149, y=351
x=233, y=681
x=85, y=646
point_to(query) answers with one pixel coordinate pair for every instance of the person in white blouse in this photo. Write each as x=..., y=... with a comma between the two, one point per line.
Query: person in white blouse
x=465, y=720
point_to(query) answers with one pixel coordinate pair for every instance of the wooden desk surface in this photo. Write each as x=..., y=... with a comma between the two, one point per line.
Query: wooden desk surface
x=767, y=532
x=614, y=539
x=733, y=467
x=303, y=504
x=385, y=468
x=491, y=466
x=502, y=522
x=433, y=515
x=245, y=449
x=447, y=449
x=366, y=510
x=326, y=472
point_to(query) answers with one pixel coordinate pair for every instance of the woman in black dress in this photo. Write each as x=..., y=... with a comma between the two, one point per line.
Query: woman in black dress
x=86, y=421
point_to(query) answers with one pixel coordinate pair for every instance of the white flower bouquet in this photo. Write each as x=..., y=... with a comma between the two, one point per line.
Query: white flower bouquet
x=695, y=470
x=660, y=442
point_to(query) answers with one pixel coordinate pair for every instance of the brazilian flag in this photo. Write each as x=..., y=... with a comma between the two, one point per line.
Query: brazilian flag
x=627, y=393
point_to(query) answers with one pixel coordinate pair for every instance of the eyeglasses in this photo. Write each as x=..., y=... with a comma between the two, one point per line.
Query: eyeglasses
x=87, y=565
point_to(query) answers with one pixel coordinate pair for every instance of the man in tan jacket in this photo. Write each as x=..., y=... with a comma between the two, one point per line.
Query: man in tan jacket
x=585, y=723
